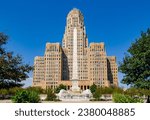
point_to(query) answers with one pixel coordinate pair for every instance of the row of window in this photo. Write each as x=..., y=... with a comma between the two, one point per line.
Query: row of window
x=53, y=55
x=52, y=58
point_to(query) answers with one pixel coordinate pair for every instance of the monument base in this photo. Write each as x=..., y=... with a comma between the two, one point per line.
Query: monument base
x=75, y=88
x=70, y=96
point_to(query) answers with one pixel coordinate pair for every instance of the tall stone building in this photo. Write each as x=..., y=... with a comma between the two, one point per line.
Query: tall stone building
x=56, y=66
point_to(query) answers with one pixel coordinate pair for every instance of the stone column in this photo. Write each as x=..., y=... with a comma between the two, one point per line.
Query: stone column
x=75, y=78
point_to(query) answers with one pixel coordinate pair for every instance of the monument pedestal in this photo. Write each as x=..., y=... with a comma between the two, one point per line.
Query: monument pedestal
x=75, y=88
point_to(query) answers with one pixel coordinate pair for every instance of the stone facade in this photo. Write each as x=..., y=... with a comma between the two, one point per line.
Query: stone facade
x=94, y=66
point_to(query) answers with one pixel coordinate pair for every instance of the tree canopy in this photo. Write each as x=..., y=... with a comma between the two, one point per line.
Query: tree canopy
x=136, y=63
x=60, y=87
x=12, y=68
x=93, y=88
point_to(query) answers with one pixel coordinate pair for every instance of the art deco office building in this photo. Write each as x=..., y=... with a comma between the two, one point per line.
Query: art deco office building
x=56, y=66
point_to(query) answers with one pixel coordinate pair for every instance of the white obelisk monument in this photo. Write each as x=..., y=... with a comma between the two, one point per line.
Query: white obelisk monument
x=75, y=87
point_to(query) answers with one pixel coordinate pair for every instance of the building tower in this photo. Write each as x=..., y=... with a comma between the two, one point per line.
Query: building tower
x=75, y=20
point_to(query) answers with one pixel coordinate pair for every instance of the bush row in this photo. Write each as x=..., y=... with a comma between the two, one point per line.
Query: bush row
x=26, y=96
x=121, y=98
x=119, y=95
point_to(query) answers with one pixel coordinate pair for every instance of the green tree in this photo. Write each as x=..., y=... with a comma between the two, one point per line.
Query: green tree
x=60, y=87
x=51, y=95
x=136, y=63
x=117, y=90
x=93, y=88
x=12, y=70
x=106, y=90
x=97, y=94
x=132, y=91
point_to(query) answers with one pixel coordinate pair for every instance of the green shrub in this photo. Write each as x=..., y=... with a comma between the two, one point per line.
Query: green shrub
x=132, y=91
x=36, y=89
x=50, y=95
x=118, y=90
x=26, y=96
x=34, y=97
x=12, y=91
x=121, y=98
x=3, y=93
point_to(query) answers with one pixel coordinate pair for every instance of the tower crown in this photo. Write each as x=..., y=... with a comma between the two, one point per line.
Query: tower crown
x=74, y=11
x=75, y=18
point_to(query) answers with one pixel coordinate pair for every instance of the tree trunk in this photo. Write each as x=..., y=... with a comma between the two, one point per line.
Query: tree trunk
x=148, y=99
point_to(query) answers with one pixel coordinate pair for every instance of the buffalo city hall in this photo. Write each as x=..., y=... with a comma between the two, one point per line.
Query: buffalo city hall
x=93, y=65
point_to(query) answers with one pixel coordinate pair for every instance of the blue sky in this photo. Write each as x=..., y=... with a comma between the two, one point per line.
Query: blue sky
x=32, y=23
